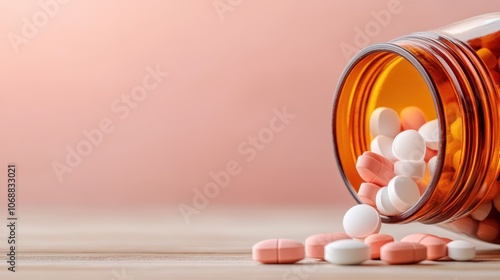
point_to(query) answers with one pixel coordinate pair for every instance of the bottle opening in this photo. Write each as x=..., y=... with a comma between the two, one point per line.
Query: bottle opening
x=382, y=76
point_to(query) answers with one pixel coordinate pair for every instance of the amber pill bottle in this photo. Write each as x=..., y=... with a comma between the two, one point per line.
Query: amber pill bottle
x=452, y=75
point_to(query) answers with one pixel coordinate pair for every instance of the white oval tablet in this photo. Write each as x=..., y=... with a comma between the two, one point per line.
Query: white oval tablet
x=403, y=192
x=361, y=220
x=410, y=168
x=460, y=250
x=384, y=121
x=383, y=203
x=430, y=133
x=431, y=165
x=409, y=145
x=482, y=211
x=347, y=252
x=382, y=145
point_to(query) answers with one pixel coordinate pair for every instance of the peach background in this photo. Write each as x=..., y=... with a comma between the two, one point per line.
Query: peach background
x=226, y=76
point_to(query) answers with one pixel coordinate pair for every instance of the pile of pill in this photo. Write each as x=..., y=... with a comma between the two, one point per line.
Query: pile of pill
x=361, y=242
x=403, y=147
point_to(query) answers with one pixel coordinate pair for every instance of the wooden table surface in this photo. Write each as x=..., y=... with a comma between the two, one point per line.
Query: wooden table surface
x=215, y=245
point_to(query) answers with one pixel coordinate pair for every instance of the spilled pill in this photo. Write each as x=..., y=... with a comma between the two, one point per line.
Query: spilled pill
x=403, y=253
x=273, y=251
x=361, y=220
x=460, y=250
x=347, y=252
x=315, y=244
x=375, y=241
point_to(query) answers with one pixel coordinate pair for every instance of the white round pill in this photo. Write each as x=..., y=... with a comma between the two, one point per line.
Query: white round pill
x=361, y=220
x=460, y=250
x=409, y=145
x=382, y=145
x=482, y=211
x=347, y=252
x=430, y=133
x=403, y=192
x=410, y=168
x=383, y=203
x=431, y=165
x=384, y=121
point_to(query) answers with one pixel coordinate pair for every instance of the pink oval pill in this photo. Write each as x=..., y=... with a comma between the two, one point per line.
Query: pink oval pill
x=315, y=244
x=380, y=158
x=403, y=253
x=488, y=229
x=412, y=118
x=375, y=241
x=416, y=237
x=436, y=247
x=446, y=239
x=429, y=154
x=373, y=171
x=368, y=190
x=272, y=251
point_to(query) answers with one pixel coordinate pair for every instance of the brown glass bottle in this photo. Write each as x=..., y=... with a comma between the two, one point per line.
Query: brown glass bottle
x=452, y=74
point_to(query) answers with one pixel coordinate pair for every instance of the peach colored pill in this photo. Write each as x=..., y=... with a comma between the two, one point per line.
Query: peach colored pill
x=488, y=229
x=496, y=76
x=315, y=244
x=403, y=253
x=429, y=154
x=273, y=251
x=368, y=201
x=465, y=225
x=446, y=239
x=372, y=171
x=415, y=237
x=368, y=190
x=487, y=57
x=492, y=42
x=422, y=186
x=436, y=247
x=412, y=118
x=456, y=129
x=496, y=201
x=375, y=241
x=379, y=158
x=456, y=159
x=481, y=212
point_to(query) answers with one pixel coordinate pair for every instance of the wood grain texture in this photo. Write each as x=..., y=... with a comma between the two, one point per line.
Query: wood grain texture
x=215, y=245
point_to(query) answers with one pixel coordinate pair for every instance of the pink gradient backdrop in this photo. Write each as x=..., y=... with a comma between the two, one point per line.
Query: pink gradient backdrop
x=226, y=76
